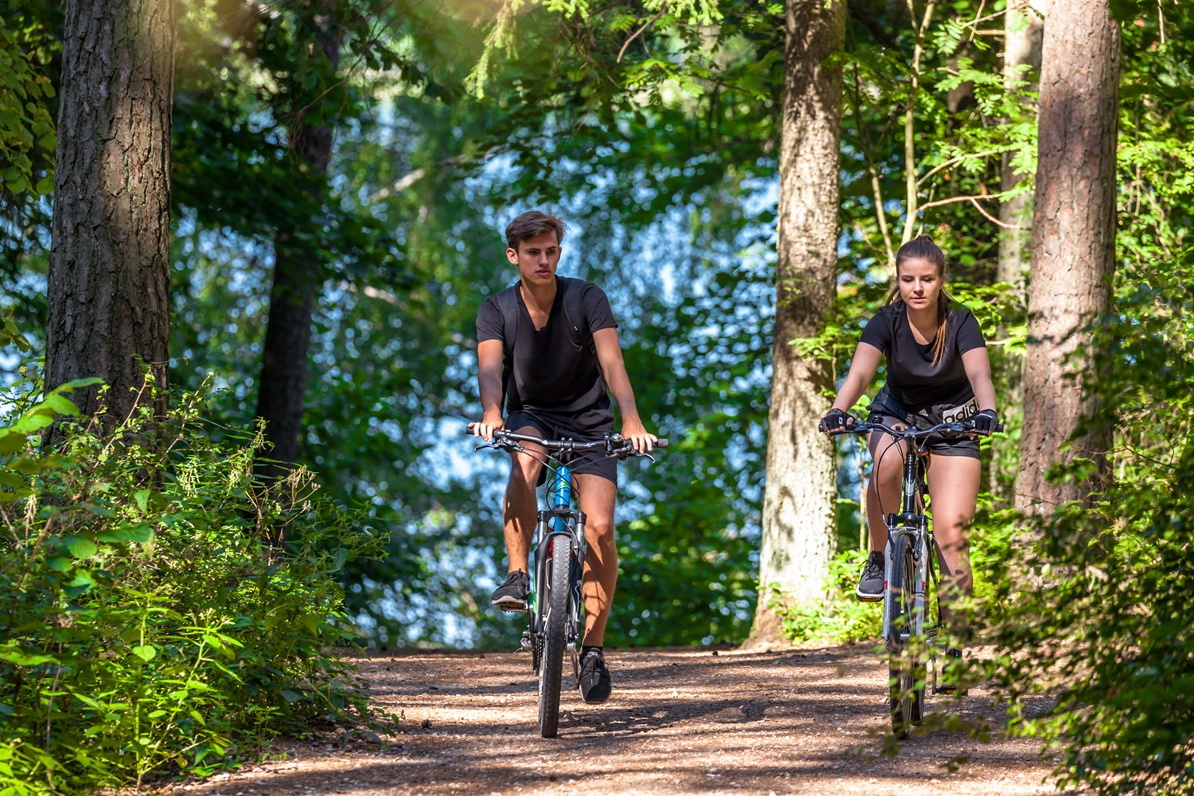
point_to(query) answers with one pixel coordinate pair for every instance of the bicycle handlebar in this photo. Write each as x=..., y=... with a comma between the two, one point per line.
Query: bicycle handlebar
x=613, y=444
x=913, y=433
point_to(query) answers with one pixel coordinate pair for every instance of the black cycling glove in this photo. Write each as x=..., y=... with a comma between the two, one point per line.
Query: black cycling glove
x=835, y=421
x=986, y=421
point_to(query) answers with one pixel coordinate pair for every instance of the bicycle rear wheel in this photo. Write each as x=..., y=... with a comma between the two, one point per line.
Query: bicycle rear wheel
x=906, y=663
x=555, y=626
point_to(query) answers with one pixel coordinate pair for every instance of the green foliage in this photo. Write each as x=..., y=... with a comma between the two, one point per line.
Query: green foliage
x=25, y=125
x=148, y=623
x=840, y=618
x=1102, y=623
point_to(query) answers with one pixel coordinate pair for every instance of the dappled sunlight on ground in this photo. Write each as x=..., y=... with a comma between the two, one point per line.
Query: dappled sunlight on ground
x=681, y=721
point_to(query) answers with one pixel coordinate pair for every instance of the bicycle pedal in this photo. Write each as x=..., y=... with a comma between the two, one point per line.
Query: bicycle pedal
x=512, y=608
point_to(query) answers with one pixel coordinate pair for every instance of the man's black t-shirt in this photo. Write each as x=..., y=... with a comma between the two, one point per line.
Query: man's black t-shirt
x=912, y=378
x=551, y=377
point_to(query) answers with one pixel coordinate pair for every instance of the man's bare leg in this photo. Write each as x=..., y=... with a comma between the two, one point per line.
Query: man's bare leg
x=597, y=498
x=518, y=522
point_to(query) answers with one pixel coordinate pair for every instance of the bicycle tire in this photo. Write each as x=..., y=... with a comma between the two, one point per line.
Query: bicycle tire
x=555, y=627
x=906, y=665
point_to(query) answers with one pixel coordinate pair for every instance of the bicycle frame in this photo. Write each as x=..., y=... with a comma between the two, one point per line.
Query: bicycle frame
x=559, y=519
x=914, y=524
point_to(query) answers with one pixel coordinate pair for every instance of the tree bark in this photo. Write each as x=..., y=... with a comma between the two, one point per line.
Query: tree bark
x=108, y=283
x=1023, y=30
x=798, y=506
x=297, y=281
x=1073, y=252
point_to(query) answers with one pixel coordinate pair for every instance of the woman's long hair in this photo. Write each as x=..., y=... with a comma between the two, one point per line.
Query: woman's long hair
x=923, y=248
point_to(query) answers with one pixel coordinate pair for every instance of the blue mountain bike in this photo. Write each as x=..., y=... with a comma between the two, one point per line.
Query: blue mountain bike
x=556, y=602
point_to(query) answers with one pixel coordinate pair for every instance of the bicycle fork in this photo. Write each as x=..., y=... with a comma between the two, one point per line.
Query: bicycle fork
x=913, y=527
x=559, y=521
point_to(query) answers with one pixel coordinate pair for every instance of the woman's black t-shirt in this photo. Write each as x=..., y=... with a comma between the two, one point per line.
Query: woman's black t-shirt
x=551, y=377
x=913, y=380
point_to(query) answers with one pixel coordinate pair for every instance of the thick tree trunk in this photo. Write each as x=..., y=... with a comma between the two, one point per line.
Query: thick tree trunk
x=296, y=287
x=109, y=263
x=1073, y=251
x=798, y=506
x=1023, y=30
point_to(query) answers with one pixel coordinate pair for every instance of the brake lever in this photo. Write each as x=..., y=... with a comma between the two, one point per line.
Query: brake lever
x=503, y=445
x=625, y=453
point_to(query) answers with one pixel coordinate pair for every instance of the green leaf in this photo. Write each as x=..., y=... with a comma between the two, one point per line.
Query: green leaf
x=15, y=655
x=59, y=563
x=12, y=441
x=80, y=547
x=146, y=652
x=82, y=583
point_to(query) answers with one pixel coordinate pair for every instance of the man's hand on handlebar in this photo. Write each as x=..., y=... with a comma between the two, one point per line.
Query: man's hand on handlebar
x=836, y=420
x=642, y=440
x=486, y=427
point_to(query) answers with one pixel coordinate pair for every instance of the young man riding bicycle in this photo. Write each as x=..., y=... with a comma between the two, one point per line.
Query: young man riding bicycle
x=550, y=347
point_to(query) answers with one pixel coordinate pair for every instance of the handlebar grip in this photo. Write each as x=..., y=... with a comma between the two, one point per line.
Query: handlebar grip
x=661, y=443
x=999, y=427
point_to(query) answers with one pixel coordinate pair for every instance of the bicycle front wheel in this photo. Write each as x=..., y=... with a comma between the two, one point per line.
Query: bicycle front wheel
x=906, y=668
x=555, y=626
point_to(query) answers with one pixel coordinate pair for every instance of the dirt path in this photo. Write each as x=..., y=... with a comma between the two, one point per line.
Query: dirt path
x=681, y=721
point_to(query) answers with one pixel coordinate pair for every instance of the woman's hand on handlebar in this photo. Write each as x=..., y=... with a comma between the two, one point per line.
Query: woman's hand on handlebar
x=486, y=427
x=985, y=422
x=836, y=420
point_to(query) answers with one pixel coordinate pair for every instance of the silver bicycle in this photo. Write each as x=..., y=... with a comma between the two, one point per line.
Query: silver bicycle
x=911, y=613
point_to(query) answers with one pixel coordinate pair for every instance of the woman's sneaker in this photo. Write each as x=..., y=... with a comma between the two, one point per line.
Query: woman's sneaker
x=870, y=586
x=950, y=674
x=595, y=682
x=512, y=595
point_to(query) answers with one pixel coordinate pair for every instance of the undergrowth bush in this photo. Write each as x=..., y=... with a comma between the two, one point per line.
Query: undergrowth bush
x=159, y=611
x=840, y=617
x=1094, y=649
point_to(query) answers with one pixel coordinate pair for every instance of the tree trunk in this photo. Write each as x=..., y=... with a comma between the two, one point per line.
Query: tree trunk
x=108, y=284
x=799, y=531
x=1023, y=29
x=1073, y=252
x=297, y=284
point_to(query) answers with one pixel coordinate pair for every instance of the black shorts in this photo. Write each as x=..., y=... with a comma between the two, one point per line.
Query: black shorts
x=886, y=411
x=589, y=463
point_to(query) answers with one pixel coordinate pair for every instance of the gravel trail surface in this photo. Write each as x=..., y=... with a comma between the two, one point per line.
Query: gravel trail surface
x=681, y=721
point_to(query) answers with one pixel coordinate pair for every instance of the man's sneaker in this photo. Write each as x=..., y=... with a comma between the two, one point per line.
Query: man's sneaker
x=512, y=595
x=595, y=682
x=950, y=673
x=870, y=586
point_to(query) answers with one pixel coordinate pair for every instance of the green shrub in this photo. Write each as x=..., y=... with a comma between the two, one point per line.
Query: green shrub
x=840, y=618
x=1094, y=649
x=148, y=623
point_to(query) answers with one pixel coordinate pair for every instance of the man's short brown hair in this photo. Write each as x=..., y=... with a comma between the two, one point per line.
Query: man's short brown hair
x=533, y=223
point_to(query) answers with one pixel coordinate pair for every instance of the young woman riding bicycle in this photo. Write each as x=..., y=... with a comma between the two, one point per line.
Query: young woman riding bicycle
x=937, y=369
